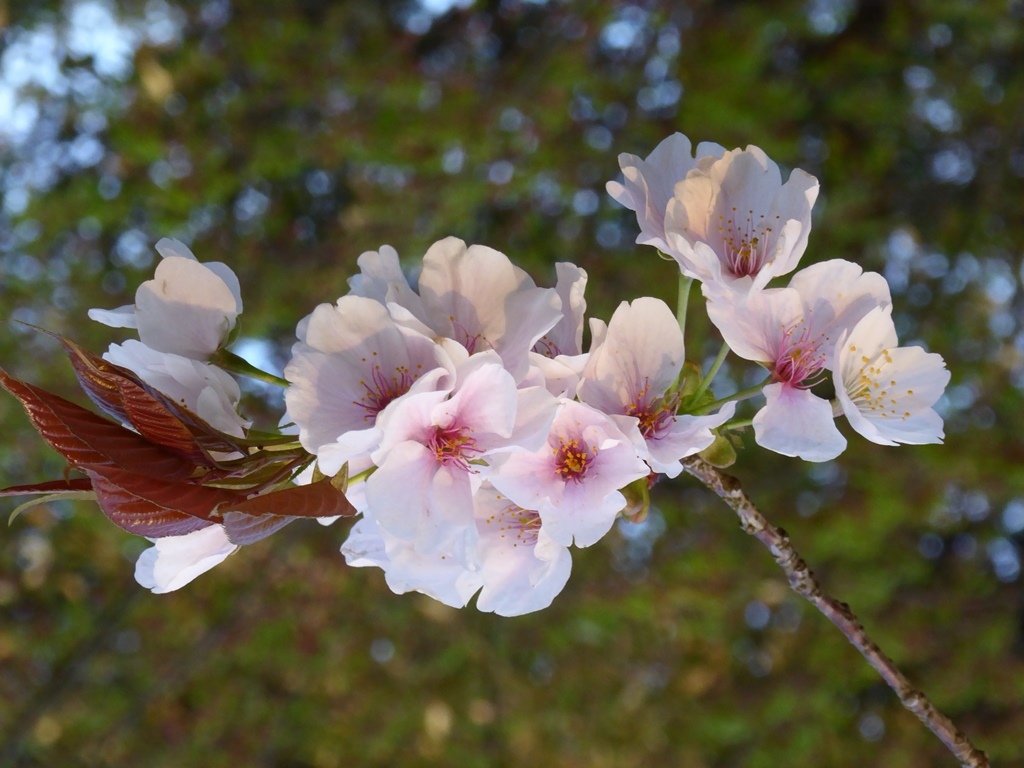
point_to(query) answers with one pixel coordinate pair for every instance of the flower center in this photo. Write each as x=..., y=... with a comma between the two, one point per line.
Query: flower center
x=381, y=390
x=452, y=447
x=800, y=357
x=547, y=348
x=745, y=241
x=518, y=526
x=573, y=458
x=875, y=393
x=469, y=341
x=655, y=414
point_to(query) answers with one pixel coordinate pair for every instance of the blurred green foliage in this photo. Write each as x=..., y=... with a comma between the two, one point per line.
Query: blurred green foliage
x=285, y=139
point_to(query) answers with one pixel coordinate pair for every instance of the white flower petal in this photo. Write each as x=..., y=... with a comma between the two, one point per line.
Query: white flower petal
x=209, y=392
x=174, y=561
x=122, y=317
x=186, y=309
x=887, y=392
x=795, y=422
x=739, y=209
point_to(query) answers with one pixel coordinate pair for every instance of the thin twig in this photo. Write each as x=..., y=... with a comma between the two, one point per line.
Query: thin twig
x=803, y=581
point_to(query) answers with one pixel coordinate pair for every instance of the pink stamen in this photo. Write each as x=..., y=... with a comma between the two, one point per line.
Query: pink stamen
x=517, y=525
x=800, y=357
x=452, y=448
x=745, y=243
x=547, y=348
x=381, y=390
x=656, y=415
x=469, y=342
x=573, y=458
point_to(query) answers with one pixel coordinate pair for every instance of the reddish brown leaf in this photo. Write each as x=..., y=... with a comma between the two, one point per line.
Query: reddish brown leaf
x=204, y=435
x=122, y=394
x=98, y=378
x=51, y=486
x=157, y=424
x=320, y=499
x=245, y=529
x=87, y=440
x=257, y=471
x=152, y=507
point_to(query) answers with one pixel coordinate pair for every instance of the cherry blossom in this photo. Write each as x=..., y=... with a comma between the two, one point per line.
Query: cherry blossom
x=436, y=445
x=574, y=479
x=522, y=567
x=648, y=185
x=734, y=222
x=188, y=308
x=351, y=361
x=633, y=362
x=213, y=395
x=887, y=391
x=381, y=278
x=439, y=574
x=477, y=297
x=473, y=434
x=516, y=567
x=793, y=332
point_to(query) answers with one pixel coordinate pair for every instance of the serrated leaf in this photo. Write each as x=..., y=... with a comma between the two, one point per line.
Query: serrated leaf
x=97, y=377
x=89, y=441
x=207, y=437
x=319, y=499
x=120, y=393
x=152, y=507
x=245, y=529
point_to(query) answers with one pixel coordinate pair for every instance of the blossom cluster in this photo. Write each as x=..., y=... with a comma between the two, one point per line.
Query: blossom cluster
x=730, y=222
x=475, y=434
x=490, y=441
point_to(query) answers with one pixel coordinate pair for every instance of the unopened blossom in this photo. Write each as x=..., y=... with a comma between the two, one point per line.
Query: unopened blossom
x=793, y=332
x=887, y=391
x=436, y=445
x=210, y=393
x=649, y=184
x=732, y=222
x=188, y=308
x=351, y=361
x=573, y=480
x=174, y=561
x=206, y=390
x=632, y=364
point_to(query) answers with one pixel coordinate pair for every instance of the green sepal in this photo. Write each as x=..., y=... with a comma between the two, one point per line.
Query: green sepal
x=720, y=454
x=340, y=480
x=688, y=381
x=638, y=501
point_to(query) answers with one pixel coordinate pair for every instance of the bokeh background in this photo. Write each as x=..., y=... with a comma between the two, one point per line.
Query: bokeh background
x=287, y=138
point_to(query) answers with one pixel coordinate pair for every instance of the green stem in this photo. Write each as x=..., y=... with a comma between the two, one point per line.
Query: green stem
x=362, y=475
x=743, y=394
x=229, y=361
x=683, y=301
x=715, y=366
x=737, y=424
